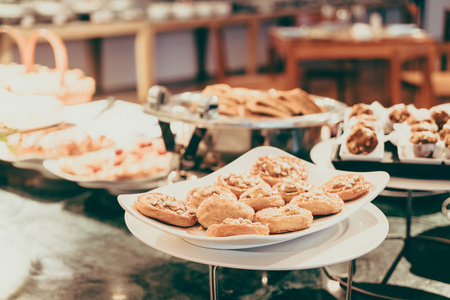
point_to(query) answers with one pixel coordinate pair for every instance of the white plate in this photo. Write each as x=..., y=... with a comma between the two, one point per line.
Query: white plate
x=118, y=186
x=196, y=235
x=354, y=237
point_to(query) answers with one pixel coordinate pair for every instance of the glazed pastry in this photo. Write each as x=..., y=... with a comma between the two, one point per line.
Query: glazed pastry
x=319, y=202
x=291, y=187
x=361, y=140
x=285, y=218
x=261, y=196
x=424, y=143
x=347, y=186
x=274, y=169
x=214, y=210
x=360, y=109
x=238, y=182
x=195, y=196
x=232, y=227
x=166, y=209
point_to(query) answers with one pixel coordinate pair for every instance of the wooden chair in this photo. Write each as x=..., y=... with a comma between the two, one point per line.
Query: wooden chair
x=440, y=77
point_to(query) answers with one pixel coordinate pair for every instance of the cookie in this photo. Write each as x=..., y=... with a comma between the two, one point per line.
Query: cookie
x=232, y=227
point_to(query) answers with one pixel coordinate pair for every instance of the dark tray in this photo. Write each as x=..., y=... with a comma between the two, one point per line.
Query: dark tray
x=391, y=164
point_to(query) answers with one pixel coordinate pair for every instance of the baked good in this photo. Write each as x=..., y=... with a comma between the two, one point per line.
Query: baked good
x=215, y=209
x=361, y=140
x=347, y=186
x=360, y=109
x=165, y=208
x=440, y=116
x=238, y=182
x=291, y=187
x=231, y=227
x=423, y=143
x=419, y=119
x=274, y=169
x=445, y=131
x=446, y=151
x=319, y=202
x=424, y=126
x=196, y=195
x=399, y=113
x=285, y=218
x=261, y=196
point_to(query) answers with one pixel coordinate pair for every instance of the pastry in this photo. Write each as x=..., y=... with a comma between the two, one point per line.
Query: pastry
x=399, y=113
x=195, y=196
x=360, y=109
x=347, y=186
x=440, y=117
x=238, y=182
x=274, y=169
x=215, y=209
x=285, y=218
x=361, y=140
x=445, y=131
x=166, y=209
x=423, y=143
x=319, y=202
x=261, y=196
x=424, y=126
x=231, y=227
x=291, y=187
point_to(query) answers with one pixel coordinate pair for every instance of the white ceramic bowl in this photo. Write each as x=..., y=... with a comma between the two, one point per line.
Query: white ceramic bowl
x=159, y=10
x=221, y=8
x=182, y=10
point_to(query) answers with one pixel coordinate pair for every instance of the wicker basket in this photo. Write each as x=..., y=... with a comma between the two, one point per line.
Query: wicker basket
x=12, y=69
x=69, y=86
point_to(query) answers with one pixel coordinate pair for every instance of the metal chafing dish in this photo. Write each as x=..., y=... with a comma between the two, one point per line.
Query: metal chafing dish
x=192, y=127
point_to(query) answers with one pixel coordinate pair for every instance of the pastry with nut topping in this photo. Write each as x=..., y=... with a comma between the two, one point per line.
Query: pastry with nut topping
x=261, y=196
x=232, y=227
x=166, y=209
x=423, y=143
x=291, y=187
x=274, y=169
x=196, y=196
x=286, y=218
x=319, y=202
x=347, y=186
x=238, y=182
x=214, y=210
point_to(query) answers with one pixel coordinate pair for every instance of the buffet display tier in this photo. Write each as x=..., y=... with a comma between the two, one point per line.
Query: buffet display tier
x=192, y=126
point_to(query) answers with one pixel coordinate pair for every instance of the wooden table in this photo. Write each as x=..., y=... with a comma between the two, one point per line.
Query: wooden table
x=394, y=50
x=145, y=32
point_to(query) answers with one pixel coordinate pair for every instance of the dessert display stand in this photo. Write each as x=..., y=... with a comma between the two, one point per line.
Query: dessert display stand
x=408, y=188
x=344, y=242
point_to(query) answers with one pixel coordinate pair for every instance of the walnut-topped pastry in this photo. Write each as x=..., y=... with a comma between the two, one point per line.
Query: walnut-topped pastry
x=195, y=196
x=274, y=169
x=440, y=117
x=399, y=113
x=214, y=210
x=424, y=126
x=261, y=196
x=238, y=182
x=360, y=109
x=361, y=140
x=319, y=202
x=166, y=208
x=232, y=227
x=423, y=143
x=286, y=218
x=347, y=186
x=291, y=187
